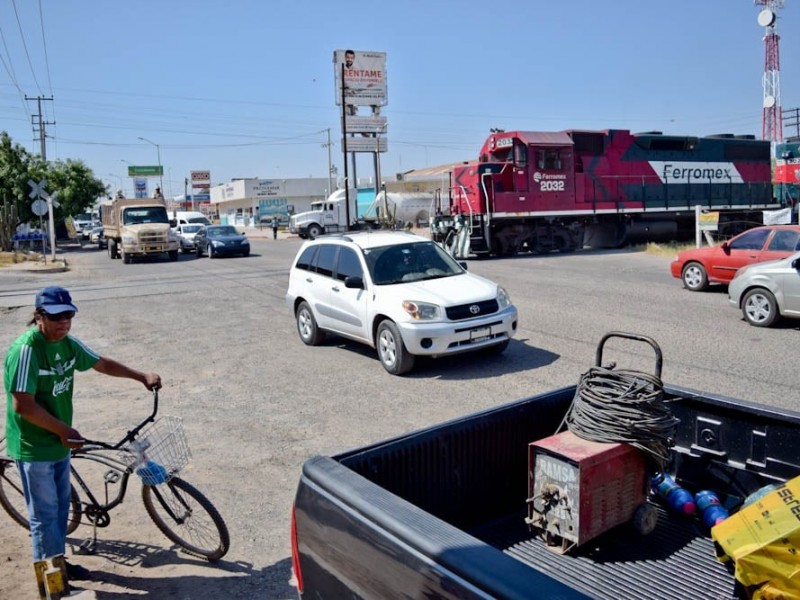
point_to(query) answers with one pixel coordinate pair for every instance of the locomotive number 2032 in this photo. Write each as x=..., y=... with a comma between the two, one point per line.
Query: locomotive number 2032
x=551, y=186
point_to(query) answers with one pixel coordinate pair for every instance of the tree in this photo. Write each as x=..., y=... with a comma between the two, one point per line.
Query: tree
x=75, y=183
x=17, y=166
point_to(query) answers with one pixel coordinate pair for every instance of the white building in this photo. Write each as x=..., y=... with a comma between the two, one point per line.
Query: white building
x=245, y=201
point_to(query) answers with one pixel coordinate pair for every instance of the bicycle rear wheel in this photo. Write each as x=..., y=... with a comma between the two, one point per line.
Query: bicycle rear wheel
x=187, y=518
x=12, y=498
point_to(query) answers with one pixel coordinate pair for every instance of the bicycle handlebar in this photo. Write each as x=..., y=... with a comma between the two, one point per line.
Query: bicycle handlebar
x=131, y=435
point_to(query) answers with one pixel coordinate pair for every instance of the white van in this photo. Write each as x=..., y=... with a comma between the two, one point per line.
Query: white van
x=184, y=217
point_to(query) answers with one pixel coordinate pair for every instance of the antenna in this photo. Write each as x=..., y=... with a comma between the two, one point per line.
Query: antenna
x=771, y=124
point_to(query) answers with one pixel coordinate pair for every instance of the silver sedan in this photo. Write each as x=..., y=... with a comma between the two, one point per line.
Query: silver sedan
x=764, y=292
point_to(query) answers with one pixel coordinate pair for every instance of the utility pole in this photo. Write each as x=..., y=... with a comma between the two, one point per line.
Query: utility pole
x=39, y=124
x=791, y=118
x=330, y=166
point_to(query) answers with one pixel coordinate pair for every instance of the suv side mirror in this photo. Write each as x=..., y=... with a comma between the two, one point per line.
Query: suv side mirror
x=173, y=222
x=353, y=282
x=796, y=264
x=726, y=247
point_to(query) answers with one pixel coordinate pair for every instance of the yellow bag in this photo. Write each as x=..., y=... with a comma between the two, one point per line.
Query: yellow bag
x=763, y=540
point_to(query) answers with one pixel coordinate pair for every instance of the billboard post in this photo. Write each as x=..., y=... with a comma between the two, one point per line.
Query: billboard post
x=361, y=81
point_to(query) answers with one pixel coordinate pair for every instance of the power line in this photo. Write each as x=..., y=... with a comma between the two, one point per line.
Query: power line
x=11, y=74
x=44, y=44
x=25, y=46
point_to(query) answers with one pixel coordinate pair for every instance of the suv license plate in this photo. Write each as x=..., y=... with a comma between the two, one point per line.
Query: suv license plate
x=480, y=334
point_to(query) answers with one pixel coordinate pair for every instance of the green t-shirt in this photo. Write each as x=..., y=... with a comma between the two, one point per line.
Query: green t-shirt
x=46, y=370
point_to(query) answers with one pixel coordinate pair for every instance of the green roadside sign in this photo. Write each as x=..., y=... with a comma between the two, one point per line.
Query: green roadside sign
x=145, y=171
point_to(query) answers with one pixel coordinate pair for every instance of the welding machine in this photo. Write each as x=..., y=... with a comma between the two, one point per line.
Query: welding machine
x=592, y=477
x=578, y=489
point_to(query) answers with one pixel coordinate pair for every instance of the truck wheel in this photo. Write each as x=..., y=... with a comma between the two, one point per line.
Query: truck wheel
x=173, y=255
x=314, y=231
x=760, y=308
x=112, y=249
x=695, y=278
x=307, y=326
x=391, y=350
x=198, y=251
x=126, y=258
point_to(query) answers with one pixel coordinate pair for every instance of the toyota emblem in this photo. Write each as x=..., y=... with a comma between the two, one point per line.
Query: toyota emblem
x=474, y=309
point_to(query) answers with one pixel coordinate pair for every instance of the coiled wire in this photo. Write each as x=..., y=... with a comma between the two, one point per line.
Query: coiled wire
x=623, y=406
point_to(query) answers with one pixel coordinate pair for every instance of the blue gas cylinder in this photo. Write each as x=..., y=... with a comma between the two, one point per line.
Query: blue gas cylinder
x=677, y=498
x=710, y=508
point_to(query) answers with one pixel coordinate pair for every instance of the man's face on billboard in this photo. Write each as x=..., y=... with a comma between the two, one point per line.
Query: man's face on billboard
x=349, y=58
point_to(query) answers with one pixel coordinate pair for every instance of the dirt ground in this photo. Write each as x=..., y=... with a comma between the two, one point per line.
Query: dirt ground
x=202, y=358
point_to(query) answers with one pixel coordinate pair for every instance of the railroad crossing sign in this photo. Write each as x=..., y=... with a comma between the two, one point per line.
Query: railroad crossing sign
x=43, y=203
x=37, y=189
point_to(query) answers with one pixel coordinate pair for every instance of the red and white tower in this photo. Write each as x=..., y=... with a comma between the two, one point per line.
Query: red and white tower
x=771, y=124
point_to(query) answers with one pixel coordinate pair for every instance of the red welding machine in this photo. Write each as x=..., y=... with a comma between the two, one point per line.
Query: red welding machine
x=578, y=489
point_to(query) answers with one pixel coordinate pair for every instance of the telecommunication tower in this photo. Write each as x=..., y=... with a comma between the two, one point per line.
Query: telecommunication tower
x=771, y=125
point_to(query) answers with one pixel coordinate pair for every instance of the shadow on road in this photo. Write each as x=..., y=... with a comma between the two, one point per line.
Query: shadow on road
x=209, y=581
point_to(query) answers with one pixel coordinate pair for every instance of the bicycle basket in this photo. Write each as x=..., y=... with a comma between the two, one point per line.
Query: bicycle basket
x=160, y=451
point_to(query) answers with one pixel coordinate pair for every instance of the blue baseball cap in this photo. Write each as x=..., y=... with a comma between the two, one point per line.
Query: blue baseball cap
x=54, y=300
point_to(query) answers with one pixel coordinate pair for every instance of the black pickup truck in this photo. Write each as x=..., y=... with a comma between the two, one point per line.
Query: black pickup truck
x=441, y=512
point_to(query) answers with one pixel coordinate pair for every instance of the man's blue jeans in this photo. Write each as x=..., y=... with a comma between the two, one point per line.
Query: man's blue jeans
x=47, y=494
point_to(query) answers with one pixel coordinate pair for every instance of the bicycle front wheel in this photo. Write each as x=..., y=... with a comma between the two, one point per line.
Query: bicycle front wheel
x=187, y=518
x=12, y=498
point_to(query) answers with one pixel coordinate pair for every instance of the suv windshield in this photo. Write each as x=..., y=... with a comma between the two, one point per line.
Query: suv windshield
x=191, y=228
x=409, y=262
x=146, y=214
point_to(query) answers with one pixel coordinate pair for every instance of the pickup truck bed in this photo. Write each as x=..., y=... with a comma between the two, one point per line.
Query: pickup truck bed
x=441, y=512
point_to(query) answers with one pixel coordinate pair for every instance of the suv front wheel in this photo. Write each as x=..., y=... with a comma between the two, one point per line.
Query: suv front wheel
x=392, y=351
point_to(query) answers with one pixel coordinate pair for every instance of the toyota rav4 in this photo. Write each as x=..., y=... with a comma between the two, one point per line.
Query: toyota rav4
x=399, y=293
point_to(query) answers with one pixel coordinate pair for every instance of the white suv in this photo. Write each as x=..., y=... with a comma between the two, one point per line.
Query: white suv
x=399, y=293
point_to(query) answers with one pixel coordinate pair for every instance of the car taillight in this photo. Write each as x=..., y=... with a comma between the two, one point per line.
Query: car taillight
x=298, y=576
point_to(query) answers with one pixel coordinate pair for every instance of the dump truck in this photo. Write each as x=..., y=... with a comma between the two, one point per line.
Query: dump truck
x=138, y=227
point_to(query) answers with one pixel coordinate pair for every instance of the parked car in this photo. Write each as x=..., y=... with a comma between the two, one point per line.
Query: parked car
x=186, y=234
x=700, y=266
x=220, y=240
x=767, y=291
x=399, y=293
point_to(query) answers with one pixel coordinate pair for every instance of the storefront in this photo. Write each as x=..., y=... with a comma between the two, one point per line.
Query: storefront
x=245, y=202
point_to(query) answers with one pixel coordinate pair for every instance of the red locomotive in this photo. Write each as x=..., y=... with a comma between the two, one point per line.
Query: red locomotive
x=542, y=191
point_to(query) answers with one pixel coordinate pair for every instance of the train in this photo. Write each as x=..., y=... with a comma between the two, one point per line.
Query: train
x=534, y=191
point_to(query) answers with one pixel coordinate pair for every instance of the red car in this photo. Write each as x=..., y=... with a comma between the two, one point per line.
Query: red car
x=701, y=266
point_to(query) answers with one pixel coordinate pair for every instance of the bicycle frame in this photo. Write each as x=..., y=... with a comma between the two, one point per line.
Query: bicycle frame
x=118, y=471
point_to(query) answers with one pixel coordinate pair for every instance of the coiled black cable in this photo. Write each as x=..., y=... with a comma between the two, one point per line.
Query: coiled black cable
x=623, y=406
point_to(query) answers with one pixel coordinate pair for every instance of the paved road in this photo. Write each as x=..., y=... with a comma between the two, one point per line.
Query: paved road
x=256, y=402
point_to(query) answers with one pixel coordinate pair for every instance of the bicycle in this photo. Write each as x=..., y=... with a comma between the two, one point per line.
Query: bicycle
x=156, y=455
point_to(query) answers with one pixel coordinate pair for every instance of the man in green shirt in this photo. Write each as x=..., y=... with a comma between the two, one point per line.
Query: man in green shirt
x=40, y=370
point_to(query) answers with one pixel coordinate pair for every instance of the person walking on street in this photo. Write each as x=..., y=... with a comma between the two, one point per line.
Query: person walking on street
x=274, y=227
x=40, y=369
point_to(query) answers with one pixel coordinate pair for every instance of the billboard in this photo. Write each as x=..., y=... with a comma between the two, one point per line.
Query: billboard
x=363, y=77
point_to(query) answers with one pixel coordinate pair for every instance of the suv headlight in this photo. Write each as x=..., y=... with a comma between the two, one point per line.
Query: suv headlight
x=422, y=311
x=128, y=239
x=503, y=299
